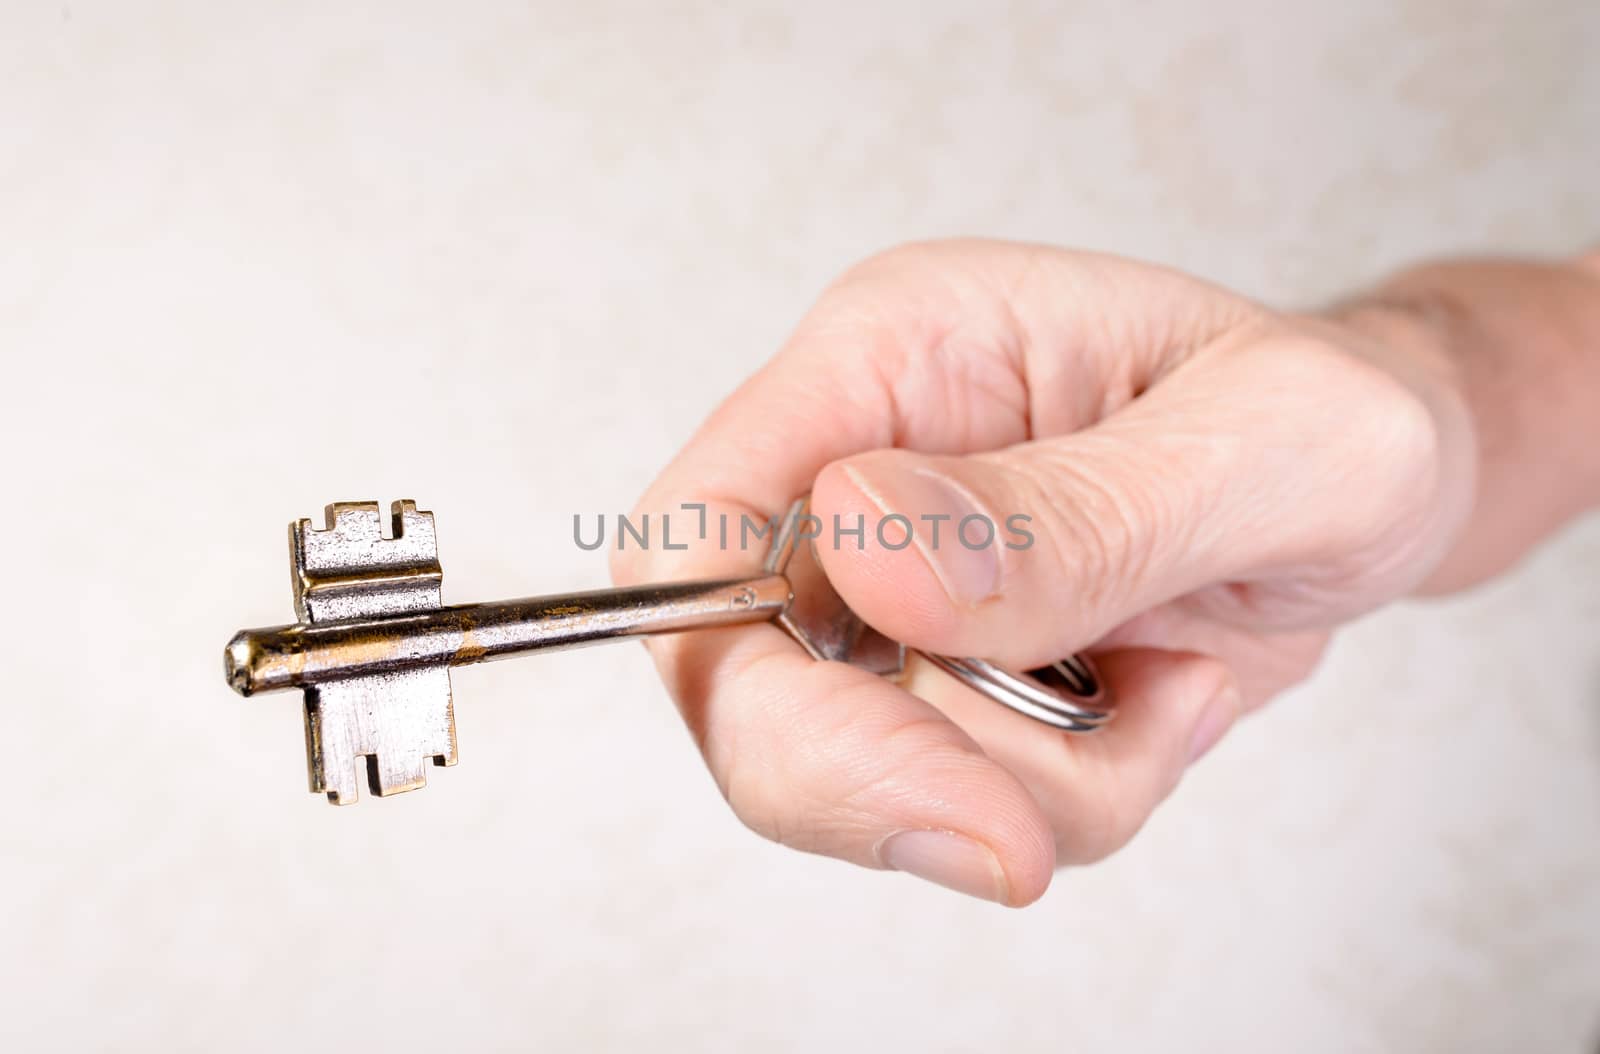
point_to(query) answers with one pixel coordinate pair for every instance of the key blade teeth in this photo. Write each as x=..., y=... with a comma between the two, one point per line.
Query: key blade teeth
x=348, y=568
x=391, y=724
x=330, y=763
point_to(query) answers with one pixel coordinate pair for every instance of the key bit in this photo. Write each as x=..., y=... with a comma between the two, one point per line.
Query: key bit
x=397, y=719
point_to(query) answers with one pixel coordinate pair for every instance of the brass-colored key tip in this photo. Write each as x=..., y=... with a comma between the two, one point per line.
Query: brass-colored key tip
x=237, y=663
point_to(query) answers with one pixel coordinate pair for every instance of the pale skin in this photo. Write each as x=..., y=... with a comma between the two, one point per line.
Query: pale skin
x=1214, y=487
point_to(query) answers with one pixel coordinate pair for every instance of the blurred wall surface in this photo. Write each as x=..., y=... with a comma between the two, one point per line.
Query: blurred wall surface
x=502, y=258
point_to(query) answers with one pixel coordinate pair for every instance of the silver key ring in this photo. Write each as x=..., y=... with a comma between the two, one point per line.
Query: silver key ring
x=1069, y=694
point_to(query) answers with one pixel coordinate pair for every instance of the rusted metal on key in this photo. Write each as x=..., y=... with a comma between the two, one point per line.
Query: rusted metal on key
x=375, y=642
x=397, y=718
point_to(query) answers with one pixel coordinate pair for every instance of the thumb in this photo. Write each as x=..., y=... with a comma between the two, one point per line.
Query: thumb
x=1032, y=552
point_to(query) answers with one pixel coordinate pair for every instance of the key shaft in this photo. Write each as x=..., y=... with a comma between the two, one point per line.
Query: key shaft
x=311, y=653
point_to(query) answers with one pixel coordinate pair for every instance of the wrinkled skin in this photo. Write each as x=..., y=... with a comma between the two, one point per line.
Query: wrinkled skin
x=1212, y=485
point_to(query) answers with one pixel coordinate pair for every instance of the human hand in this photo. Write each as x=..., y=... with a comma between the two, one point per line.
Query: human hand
x=1212, y=487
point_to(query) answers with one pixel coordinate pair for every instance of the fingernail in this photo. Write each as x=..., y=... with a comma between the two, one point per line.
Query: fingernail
x=946, y=859
x=947, y=527
x=1215, y=720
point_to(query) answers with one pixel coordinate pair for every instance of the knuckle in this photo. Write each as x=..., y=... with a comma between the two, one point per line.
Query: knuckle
x=855, y=287
x=1341, y=387
x=1104, y=817
x=1369, y=428
x=1399, y=434
x=896, y=259
x=1289, y=662
x=892, y=771
x=781, y=818
x=824, y=785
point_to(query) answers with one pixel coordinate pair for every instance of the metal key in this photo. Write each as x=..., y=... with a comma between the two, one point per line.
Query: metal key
x=375, y=642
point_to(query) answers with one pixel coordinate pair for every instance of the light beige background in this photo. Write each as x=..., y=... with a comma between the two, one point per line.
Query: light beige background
x=502, y=258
